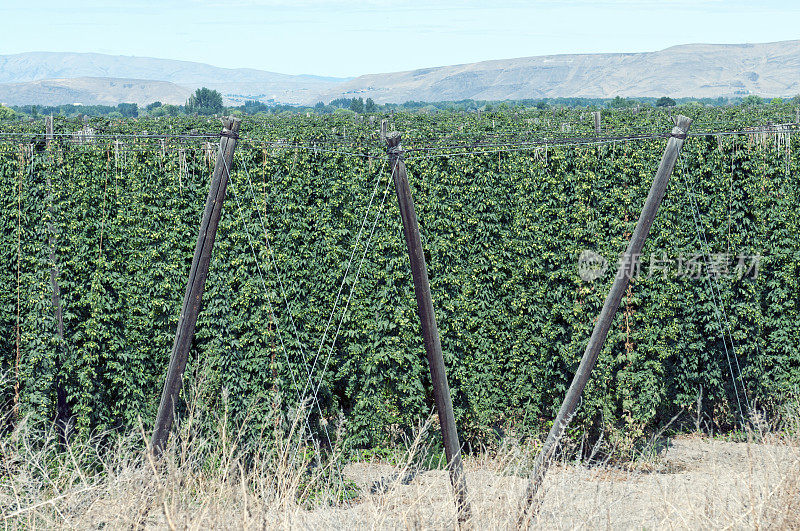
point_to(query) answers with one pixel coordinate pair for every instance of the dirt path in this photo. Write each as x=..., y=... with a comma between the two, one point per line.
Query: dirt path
x=695, y=483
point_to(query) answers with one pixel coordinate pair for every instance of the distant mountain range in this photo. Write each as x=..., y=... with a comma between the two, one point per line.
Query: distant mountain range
x=177, y=77
x=693, y=70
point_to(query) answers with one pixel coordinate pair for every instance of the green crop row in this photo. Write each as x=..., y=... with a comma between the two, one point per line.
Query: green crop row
x=503, y=232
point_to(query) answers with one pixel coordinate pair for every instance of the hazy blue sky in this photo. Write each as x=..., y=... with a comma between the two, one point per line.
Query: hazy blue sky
x=349, y=37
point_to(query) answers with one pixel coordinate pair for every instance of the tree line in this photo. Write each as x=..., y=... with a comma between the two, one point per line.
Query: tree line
x=208, y=102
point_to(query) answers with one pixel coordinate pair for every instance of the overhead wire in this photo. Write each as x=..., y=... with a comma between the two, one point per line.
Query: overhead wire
x=310, y=372
x=273, y=262
x=264, y=286
x=716, y=295
x=482, y=145
x=352, y=288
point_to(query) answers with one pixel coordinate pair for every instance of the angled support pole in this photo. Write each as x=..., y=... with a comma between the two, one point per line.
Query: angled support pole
x=531, y=500
x=430, y=332
x=195, y=285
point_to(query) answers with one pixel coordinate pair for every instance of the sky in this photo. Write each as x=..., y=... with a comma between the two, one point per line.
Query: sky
x=344, y=38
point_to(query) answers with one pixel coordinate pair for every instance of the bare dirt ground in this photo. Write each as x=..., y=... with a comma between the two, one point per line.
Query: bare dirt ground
x=693, y=483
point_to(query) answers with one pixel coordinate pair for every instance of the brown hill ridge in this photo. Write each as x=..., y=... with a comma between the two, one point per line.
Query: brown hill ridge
x=92, y=91
x=693, y=70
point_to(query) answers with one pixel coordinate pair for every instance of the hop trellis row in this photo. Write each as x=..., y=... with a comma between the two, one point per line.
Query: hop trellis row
x=502, y=234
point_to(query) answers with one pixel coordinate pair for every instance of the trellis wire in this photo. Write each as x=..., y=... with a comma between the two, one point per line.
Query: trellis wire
x=716, y=294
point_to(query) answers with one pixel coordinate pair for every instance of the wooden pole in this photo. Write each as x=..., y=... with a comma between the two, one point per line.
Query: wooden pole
x=384, y=128
x=195, y=285
x=48, y=127
x=621, y=281
x=597, y=117
x=430, y=332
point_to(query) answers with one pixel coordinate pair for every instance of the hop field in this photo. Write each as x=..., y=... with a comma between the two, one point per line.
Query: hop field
x=508, y=202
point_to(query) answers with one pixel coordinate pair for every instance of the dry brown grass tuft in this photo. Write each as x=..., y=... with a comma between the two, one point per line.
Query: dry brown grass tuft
x=204, y=482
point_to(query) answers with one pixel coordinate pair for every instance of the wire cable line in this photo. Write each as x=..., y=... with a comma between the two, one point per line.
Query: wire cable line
x=719, y=308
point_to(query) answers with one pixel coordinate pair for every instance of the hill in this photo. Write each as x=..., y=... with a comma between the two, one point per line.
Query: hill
x=693, y=70
x=92, y=91
x=236, y=84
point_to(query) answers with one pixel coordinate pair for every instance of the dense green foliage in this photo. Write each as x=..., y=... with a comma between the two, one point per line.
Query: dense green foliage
x=503, y=230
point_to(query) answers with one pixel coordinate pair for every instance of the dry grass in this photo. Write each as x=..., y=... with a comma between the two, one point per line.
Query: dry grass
x=204, y=483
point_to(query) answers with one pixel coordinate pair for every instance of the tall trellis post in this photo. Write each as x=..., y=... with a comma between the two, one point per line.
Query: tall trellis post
x=603, y=323
x=430, y=332
x=196, y=284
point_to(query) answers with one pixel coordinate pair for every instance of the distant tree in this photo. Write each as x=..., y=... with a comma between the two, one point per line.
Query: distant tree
x=319, y=106
x=621, y=103
x=128, y=110
x=166, y=110
x=153, y=106
x=204, y=101
x=796, y=100
x=541, y=105
x=665, y=101
x=752, y=99
x=357, y=105
x=31, y=110
x=340, y=103
x=369, y=106
x=6, y=113
x=254, y=107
